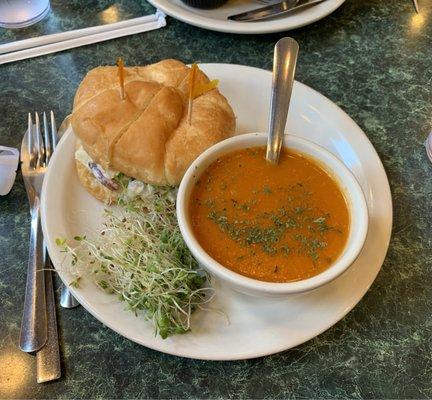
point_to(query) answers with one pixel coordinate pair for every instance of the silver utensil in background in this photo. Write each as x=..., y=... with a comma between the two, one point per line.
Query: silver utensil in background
x=34, y=321
x=273, y=10
x=428, y=145
x=66, y=298
x=284, y=65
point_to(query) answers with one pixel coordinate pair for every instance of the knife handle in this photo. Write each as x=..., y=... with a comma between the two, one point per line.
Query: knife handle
x=284, y=64
x=48, y=366
x=34, y=321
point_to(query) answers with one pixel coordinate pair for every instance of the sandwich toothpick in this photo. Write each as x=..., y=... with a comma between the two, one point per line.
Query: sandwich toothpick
x=197, y=88
x=192, y=76
x=120, y=65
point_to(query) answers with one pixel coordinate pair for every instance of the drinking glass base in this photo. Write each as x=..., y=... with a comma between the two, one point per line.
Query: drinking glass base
x=23, y=24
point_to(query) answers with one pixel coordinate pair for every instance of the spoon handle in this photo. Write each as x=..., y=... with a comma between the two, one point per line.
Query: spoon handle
x=284, y=64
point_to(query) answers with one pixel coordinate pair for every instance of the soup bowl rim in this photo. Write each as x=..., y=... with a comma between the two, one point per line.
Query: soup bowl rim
x=350, y=186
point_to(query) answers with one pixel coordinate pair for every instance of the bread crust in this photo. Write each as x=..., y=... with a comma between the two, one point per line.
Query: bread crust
x=147, y=136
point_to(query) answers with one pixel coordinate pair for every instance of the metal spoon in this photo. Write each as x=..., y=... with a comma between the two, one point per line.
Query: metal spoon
x=284, y=64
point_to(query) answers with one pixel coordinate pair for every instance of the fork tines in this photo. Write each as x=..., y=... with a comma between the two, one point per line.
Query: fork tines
x=41, y=147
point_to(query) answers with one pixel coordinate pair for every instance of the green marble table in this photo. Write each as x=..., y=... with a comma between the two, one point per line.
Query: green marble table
x=374, y=59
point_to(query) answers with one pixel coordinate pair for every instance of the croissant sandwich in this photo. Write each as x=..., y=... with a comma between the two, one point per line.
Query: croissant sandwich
x=144, y=133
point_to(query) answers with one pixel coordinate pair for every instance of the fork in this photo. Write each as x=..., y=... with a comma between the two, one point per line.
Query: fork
x=35, y=154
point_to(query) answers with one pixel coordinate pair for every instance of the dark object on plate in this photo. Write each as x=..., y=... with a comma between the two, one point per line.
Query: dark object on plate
x=205, y=4
x=101, y=177
x=273, y=10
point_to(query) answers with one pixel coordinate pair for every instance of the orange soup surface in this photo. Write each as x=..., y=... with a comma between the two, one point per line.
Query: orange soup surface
x=275, y=223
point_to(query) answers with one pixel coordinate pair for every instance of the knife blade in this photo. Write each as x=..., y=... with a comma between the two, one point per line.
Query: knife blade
x=416, y=6
x=273, y=10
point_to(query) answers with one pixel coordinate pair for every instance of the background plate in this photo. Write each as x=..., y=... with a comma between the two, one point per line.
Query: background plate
x=252, y=327
x=216, y=19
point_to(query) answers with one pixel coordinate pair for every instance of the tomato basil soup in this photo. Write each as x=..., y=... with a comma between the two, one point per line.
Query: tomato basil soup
x=276, y=223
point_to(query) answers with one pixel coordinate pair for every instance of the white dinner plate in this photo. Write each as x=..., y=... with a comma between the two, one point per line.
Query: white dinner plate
x=216, y=19
x=248, y=327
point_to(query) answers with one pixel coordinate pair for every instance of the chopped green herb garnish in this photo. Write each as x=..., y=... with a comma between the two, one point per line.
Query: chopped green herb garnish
x=268, y=229
x=267, y=190
x=245, y=207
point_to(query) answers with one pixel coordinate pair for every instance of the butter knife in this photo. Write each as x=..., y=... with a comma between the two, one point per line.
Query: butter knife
x=273, y=10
